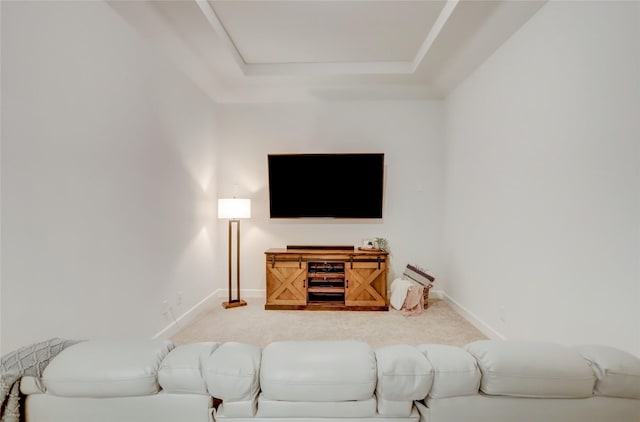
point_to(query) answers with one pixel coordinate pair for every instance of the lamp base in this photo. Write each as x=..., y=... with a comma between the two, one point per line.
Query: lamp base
x=234, y=304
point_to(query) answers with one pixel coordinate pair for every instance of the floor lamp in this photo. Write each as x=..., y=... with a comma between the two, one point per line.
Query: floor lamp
x=234, y=209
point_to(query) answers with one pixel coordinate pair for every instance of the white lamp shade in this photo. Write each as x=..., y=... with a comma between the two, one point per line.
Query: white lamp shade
x=234, y=208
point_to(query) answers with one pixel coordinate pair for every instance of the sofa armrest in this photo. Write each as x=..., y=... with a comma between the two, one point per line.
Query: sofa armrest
x=31, y=385
x=404, y=375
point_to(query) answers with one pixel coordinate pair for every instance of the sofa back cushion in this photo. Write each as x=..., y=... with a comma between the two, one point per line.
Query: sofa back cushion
x=318, y=371
x=232, y=371
x=182, y=370
x=404, y=374
x=531, y=369
x=107, y=368
x=617, y=372
x=455, y=371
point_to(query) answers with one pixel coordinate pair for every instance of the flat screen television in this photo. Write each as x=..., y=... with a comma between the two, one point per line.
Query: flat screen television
x=326, y=185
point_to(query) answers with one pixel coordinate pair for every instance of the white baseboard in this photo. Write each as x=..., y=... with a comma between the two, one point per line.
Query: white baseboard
x=436, y=294
x=485, y=328
x=214, y=299
x=177, y=323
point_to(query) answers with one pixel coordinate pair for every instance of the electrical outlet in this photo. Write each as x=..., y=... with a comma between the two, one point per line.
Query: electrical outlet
x=179, y=298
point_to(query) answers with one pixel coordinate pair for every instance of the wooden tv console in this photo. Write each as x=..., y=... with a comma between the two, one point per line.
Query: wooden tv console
x=326, y=278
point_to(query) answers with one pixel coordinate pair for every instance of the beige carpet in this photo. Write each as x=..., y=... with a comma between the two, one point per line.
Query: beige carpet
x=252, y=324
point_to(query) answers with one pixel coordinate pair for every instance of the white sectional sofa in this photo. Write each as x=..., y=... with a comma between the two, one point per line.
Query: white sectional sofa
x=491, y=380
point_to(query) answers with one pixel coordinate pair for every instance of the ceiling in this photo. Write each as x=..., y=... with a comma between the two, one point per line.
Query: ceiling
x=294, y=50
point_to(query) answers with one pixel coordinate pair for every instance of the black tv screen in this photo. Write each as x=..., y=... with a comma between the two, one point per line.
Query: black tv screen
x=326, y=185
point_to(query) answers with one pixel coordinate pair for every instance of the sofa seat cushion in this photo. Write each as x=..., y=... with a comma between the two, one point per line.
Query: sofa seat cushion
x=106, y=368
x=531, y=369
x=318, y=371
x=297, y=409
x=483, y=408
x=617, y=372
x=181, y=371
x=161, y=407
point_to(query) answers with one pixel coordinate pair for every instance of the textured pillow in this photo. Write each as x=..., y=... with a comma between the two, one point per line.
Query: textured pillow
x=418, y=275
x=531, y=369
x=617, y=372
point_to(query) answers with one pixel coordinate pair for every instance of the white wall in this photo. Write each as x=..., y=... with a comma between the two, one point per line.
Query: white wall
x=542, y=231
x=410, y=135
x=108, y=178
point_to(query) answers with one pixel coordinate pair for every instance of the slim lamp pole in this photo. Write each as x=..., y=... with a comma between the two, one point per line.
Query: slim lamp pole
x=238, y=260
x=229, y=255
x=234, y=209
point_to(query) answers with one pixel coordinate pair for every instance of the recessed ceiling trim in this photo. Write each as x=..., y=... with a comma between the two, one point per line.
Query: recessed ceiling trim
x=444, y=16
x=326, y=68
x=349, y=68
x=217, y=25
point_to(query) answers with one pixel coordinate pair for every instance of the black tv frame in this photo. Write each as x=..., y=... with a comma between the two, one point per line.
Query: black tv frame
x=327, y=185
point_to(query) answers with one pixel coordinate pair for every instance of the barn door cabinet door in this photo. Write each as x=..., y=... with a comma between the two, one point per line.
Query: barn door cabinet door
x=366, y=284
x=286, y=283
x=326, y=278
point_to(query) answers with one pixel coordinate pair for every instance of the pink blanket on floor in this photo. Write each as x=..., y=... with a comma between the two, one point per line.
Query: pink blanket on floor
x=414, y=303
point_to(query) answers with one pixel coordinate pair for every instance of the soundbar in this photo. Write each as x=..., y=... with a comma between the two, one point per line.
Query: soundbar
x=330, y=247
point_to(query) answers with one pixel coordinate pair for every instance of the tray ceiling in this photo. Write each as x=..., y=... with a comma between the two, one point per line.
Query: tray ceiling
x=271, y=50
x=326, y=32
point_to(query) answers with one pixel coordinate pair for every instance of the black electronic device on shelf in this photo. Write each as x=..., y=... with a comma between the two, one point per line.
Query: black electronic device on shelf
x=325, y=282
